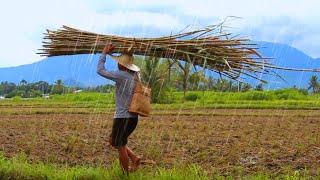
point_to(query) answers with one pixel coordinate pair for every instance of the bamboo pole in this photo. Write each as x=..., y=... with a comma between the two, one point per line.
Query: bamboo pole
x=207, y=47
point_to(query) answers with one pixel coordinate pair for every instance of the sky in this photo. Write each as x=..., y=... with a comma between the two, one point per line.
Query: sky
x=292, y=22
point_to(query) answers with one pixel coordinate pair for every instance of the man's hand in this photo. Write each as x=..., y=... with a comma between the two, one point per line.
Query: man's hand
x=108, y=48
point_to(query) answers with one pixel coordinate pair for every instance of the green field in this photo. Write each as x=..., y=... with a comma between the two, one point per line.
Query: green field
x=278, y=99
x=19, y=168
x=249, y=135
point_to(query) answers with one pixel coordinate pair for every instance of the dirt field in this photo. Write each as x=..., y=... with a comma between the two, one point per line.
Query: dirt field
x=219, y=140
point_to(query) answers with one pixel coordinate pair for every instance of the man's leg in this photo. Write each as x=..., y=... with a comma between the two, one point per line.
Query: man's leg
x=121, y=130
x=124, y=158
x=134, y=158
x=132, y=124
x=117, y=140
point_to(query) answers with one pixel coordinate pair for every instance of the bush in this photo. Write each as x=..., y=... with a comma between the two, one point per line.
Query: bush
x=84, y=97
x=34, y=93
x=286, y=94
x=16, y=98
x=10, y=95
x=303, y=91
x=166, y=96
x=257, y=95
x=24, y=94
x=192, y=97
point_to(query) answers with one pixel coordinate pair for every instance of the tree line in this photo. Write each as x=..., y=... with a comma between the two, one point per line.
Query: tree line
x=162, y=75
x=165, y=75
x=27, y=90
x=40, y=88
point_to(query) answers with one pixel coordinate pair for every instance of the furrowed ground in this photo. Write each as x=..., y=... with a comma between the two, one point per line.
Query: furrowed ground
x=220, y=138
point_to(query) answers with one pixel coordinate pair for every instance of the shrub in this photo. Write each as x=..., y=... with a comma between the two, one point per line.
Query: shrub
x=257, y=95
x=192, y=97
x=287, y=94
x=303, y=91
x=84, y=97
x=10, y=95
x=165, y=96
x=16, y=98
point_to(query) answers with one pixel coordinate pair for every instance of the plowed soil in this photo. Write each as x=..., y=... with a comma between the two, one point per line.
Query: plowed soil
x=219, y=140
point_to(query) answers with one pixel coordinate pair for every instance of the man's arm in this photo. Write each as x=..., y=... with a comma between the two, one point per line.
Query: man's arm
x=101, y=69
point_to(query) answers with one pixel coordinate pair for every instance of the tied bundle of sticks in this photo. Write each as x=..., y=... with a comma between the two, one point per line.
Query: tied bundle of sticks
x=208, y=48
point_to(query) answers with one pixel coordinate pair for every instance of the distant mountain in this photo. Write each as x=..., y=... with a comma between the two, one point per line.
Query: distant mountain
x=80, y=70
x=287, y=56
x=75, y=70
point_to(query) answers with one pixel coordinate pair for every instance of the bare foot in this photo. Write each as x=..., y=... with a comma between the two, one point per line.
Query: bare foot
x=130, y=169
x=136, y=163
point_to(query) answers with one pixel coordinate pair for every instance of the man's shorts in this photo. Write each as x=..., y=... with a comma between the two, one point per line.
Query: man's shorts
x=121, y=129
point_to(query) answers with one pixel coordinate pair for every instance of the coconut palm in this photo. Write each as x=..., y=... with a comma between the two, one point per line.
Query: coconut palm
x=23, y=82
x=153, y=74
x=314, y=84
x=58, y=87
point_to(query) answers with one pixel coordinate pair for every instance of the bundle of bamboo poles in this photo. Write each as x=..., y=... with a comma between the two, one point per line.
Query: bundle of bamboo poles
x=205, y=47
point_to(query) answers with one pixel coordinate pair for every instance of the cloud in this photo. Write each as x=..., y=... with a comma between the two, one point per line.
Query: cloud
x=25, y=21
x=252, y=8
x=299, y=34
x=292, y=22
x=309, y=44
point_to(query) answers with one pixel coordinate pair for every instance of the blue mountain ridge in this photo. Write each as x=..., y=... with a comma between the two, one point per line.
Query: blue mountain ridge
x=286, y=56
x=74, y=70
x=80, y=70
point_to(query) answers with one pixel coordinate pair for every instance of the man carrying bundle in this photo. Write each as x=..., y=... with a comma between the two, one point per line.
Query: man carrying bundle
x=124, y=121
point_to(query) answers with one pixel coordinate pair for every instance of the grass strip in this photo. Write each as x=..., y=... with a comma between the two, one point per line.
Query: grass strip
x=19, y=168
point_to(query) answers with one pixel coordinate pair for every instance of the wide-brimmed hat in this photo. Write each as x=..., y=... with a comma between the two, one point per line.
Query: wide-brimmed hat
x=126, y=60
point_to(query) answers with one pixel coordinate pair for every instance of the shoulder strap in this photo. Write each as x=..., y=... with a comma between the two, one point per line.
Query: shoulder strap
x=137, y=76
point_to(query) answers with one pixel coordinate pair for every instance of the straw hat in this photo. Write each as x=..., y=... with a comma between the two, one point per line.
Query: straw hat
x=126, y=60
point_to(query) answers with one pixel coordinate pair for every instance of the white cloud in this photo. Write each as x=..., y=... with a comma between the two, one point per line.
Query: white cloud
x=294, y=22
x=288, y=21
x=309, y=44
x=245, y=8
x=25, y=21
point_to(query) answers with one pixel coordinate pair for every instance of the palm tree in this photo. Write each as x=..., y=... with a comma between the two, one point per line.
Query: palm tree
x=59, y=82
x=259, y=87
x=153, y=75
x=58, y=87
x=185, y=75
x=23, y=82
x=170, y=64
x=314, y=84
x=211, y=83
x=245, y=87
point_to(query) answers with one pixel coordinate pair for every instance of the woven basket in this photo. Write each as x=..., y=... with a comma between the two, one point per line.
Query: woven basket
x=141, y=100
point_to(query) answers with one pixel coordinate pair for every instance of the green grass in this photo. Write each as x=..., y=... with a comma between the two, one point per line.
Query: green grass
x=278, y=99
x=19, y=168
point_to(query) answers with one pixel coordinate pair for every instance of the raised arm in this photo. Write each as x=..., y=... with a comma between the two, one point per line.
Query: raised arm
x=101, y=70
